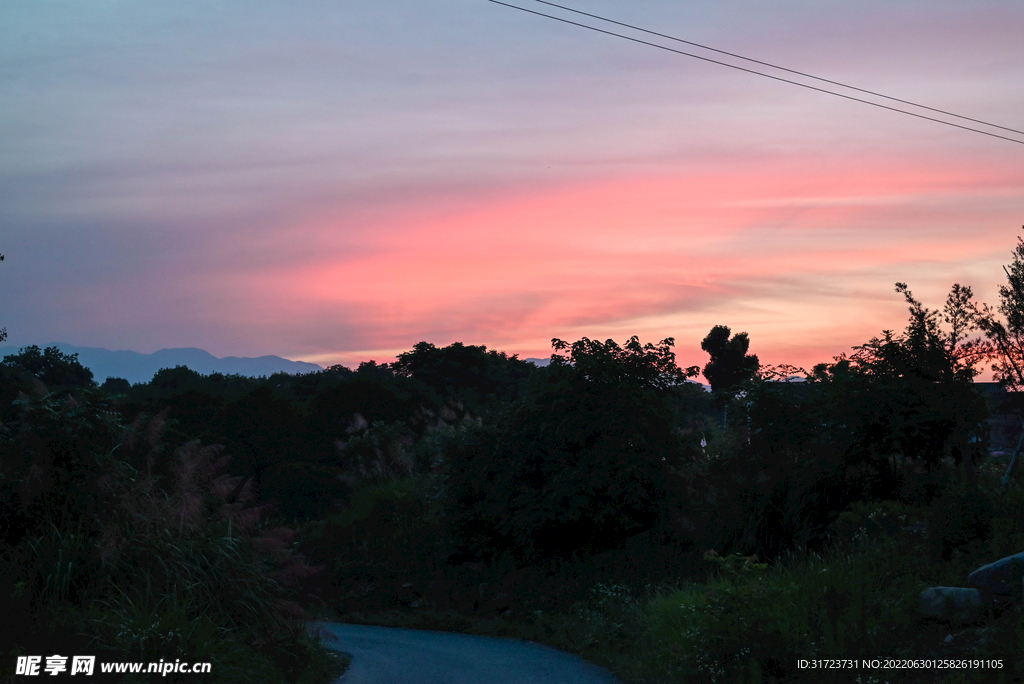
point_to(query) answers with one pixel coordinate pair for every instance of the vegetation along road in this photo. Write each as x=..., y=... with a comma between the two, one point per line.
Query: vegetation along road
x=385, y=655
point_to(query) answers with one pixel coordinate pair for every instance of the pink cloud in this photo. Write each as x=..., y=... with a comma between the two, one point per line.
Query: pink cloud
x=803, y=261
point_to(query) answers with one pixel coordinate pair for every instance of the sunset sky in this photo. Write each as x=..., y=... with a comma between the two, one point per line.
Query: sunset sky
x=334, y=182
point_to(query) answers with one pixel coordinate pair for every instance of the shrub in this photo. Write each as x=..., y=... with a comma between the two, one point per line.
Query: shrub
x=750, y=623
x=391, y=534
x=869, y=520
x=378, y=452
x=959, y=518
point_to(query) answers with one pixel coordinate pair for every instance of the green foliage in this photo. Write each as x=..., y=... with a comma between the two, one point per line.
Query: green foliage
x=53, y=368
x=914, y=394
x=751, y=621
x=471, y=373
x=299, y=437
x=764, y=619
x=264, y=428
x=606, y=620
x=333, y=398
x=390, y=535
x=114, y=386
x=859, y=428
x=580, y=461
x=378, y=452
x=961, y=517
x=794, y=512
x=632, y=366
x=46, y=458
x=864, y=521
x=112, y=548
x=300, y=490
x=734, y=564
x=178, y=378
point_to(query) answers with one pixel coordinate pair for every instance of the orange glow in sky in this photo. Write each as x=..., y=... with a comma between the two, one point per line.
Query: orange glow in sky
x=804, y=263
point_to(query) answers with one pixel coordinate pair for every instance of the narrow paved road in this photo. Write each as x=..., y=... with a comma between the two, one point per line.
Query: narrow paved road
x=384, y=655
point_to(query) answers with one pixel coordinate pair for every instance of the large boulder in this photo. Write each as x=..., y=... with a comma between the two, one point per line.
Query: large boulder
x=957, y=604
x=1002, y=578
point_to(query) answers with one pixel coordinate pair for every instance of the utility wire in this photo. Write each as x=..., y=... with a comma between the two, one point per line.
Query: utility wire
x=760, y=73
x=780, y=68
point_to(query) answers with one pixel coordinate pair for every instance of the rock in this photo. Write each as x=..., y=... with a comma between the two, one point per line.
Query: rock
x=951, y=603
x=1002, y=577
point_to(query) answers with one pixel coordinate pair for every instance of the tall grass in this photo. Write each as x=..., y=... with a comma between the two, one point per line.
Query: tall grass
x=150, y=553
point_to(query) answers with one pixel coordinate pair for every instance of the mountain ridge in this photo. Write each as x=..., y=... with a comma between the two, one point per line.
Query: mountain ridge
x=137, y=367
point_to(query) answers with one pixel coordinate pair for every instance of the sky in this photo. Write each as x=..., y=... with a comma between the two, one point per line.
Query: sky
x=335, y=182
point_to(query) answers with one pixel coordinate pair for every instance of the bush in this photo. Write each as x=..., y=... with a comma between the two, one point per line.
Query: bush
x=865, y=521
x=390, y=535
x=749, y=622
x=960, y=518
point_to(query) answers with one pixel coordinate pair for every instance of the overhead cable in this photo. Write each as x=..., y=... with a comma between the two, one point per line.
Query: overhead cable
x=774, y=78
x=780, y=68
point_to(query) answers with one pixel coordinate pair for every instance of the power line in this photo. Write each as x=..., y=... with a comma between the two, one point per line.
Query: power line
x=780, y=68
x=760, y=73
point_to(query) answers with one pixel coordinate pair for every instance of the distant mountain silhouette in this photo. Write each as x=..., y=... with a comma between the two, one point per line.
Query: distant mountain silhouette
x=538, y=362
x=136, y=367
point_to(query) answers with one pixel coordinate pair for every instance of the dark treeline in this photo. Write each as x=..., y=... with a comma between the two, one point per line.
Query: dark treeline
x=459, y=487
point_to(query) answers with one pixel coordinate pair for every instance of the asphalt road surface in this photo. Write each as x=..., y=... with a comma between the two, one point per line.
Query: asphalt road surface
x=385, y=655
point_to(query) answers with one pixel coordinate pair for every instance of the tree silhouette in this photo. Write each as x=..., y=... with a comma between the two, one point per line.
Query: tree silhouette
x=1006, y=337
x=474, y=374
x=580, y=461
x=921, y=403
x=3, y=331
x=54, y=368
x=730, y=364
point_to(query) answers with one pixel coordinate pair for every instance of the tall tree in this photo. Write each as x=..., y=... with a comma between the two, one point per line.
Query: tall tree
x=1006, y=337
x=580, y=461
x=925, y=349
x=730, y=363
x=909, y=395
